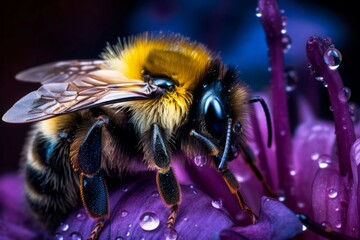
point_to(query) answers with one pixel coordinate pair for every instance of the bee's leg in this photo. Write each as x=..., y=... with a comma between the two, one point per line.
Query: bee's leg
x=168, y=186
x=93, y=189
x=228, y=176
x=250, y=159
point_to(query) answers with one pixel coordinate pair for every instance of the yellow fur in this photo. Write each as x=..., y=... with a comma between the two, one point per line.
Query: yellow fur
x=170, y=56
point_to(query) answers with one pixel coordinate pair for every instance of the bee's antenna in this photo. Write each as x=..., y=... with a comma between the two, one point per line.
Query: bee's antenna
x=267, y=115
x=227, y=144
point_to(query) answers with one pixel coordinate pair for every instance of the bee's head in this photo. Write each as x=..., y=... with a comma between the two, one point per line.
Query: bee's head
x=222, y=105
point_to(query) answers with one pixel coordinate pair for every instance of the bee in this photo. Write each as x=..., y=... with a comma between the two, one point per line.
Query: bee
x=146, y=99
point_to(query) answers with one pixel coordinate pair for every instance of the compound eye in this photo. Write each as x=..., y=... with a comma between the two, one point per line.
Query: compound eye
x=215, y=118
x=165, y=84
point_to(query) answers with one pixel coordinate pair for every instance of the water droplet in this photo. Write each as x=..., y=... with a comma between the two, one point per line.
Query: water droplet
x=332, y=193
x=155, y=194
x=75, y=236
x=286, y=42
x=125, y=189
x=124, y=213
x=319, y=78
x=58, y=236
x=292, y=172
x=257, y=12
x=195, y=192
x=315, y=156
x=119, y=238
x=170, y=234
x=338, y=224
x=331, y=108
x=354, y=229
x=185, y=219
x=217, y=203
x=128, y=234
x=64, y=227
x=149, y=221
x=344, y=94
x=81, y=216
x=234, y=150
x=130, y=225
x=324, y=161
x=237, y=128
x=200, y=161
x=291, y=79
x=327, y=226
x=332, y=58
x=304, y=228
x=301, y=204
x=281, y=196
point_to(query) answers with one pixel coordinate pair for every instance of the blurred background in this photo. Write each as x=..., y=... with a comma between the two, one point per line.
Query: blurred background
x=38, y=32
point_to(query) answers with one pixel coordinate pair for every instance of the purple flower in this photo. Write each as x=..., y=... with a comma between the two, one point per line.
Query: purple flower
x=314, y=170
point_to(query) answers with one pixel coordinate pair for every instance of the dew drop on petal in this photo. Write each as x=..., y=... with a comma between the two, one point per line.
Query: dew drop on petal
x=281, y=196
x=64, y=227
x=291, y=79
x=155, y=194
x=331, y=108
x=327, y=226
x=81, y=216
x=344, y=94
x=292, y=172
x=332, y=58
x=338, y=224
x=217, y=203
x=75, y=236
x=257, y=12
x=128, y=234
x=124, y=213
x=170, y=234
x=301, y=204
x=200, y=161
x=286, y=42
x=119, y=238
x=304, y=228
x=324, y=161
x=315, y=156
x=149, y=221
x=58, y=236
x=332, y=193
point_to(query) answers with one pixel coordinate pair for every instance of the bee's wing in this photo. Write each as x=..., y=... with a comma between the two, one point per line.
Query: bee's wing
x=78, y=92
x=59, y=71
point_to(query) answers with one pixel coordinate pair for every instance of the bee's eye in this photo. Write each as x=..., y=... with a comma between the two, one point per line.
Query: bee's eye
x=165, y=84
x=215, y=117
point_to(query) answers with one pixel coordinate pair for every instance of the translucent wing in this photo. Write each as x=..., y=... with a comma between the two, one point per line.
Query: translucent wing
x=76, y=92
x=59, y=71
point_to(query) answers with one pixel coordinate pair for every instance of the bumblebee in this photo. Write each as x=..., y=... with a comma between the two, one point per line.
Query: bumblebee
x=146, y=99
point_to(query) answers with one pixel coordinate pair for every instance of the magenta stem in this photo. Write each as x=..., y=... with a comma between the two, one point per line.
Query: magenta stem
x=345, y=135
x=271, y=19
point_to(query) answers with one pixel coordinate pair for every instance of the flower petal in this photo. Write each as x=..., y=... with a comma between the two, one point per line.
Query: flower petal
x=276, y=221
x=139, y=203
